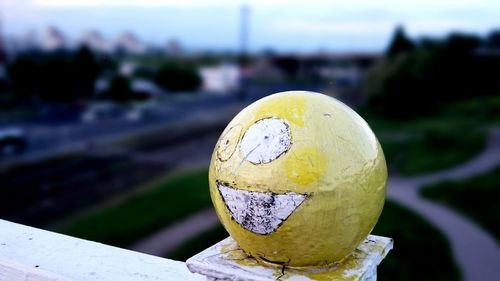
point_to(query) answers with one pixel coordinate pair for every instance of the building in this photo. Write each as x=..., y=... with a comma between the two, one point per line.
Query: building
x=95, y=41
x=52, y=39
x=222, y=78
x=347, y=69
x=129, y=43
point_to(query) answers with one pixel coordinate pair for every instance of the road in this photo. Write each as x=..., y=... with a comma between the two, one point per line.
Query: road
x=100, y=166
x=46, y=138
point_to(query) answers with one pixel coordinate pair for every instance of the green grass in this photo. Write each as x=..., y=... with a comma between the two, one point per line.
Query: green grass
x=431, y=151
x=476, y=197
x=482, y=110
x=436, y=142
x=469, y=114
x=420, y=251
x=158, y=205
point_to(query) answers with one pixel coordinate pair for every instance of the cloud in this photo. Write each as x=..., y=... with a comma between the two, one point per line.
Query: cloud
x=414, y=27
x=107, y=3
x=362, y=23
x=393, y=6
x=144, y=3
x=330, y=27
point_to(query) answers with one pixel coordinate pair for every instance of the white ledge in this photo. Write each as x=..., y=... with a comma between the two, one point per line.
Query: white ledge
x=226, y=261
x=28, y=253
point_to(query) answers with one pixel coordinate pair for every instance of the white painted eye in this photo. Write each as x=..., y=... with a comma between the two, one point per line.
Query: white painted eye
x=265, y=140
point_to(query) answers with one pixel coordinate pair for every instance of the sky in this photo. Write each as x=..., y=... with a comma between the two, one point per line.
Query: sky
x=281, y=25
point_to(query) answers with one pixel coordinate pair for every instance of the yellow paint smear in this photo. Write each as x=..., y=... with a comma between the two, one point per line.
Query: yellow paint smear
x=337, y=272
x=305, y=165
x=291, y=108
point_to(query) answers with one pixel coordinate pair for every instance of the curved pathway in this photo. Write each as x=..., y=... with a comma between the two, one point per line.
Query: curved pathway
x=476, y=252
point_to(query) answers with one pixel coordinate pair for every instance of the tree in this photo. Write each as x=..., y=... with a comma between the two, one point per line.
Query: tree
x=290, y=65
x=400, y=43
x=461, y=44
x=23, y=74
x=175, y=77
x=120, y=90
x=426, y=79
x=493, y=40
x=57, y=80
x=55, y=77
x=86, y=70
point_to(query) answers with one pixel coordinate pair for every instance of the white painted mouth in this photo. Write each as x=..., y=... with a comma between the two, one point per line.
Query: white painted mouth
x=260, y=212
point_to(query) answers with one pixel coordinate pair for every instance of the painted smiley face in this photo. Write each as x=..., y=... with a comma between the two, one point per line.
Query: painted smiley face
x=298, y=178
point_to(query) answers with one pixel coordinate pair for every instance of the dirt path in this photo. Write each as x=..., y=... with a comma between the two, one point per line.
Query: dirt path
x=476, y=252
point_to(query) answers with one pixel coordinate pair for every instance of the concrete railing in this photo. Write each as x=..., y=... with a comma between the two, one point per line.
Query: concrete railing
x=28, y=253
x=31, y=254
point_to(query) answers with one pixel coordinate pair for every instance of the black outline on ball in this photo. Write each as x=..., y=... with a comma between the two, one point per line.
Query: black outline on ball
x=235, y=146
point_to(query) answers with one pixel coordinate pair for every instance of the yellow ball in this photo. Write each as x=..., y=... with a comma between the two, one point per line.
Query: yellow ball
x=298, y=178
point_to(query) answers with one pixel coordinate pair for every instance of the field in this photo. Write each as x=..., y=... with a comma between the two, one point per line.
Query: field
x=155, y=205
x=439, y=141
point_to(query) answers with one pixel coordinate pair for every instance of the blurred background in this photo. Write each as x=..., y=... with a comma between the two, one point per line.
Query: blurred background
x=110, y=110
